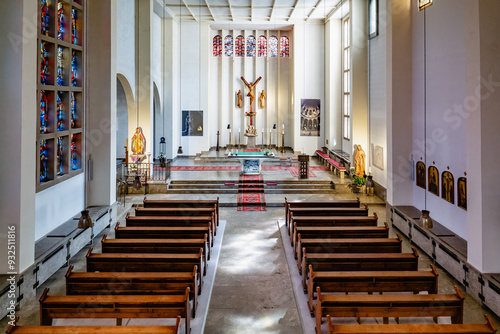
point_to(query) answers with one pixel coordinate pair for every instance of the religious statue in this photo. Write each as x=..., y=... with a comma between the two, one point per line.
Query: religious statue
x=239, y=98
x=250, y=92
x=359, y=161
x=261, y=99
x=138, y=142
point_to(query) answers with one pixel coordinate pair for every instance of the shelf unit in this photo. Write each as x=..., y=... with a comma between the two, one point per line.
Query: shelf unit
x=60, y=90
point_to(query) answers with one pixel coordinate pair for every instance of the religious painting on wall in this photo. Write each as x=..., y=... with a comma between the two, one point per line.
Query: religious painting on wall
x=378, y=156
x=434, y=180
x=420, y=174
x=192, y=122
x=448, y=187
x=309, y=117
x=462, y=193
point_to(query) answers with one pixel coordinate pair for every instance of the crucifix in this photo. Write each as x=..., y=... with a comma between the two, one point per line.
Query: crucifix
x=251, y=130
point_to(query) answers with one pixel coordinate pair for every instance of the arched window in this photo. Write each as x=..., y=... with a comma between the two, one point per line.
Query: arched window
x=217, y=46
x=284, y=47
x=273, y=46
x=228, y=45
x=262, y=46
x=240, y=46
x=251, y=47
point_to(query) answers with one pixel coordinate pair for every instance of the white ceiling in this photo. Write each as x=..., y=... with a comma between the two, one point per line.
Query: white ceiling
x=278, y=12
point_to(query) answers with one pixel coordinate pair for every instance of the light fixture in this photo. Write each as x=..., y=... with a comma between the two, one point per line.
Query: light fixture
x=422, y=4
x=229, y=126
x=137, y=182
x=85, y=221
x=425, y=220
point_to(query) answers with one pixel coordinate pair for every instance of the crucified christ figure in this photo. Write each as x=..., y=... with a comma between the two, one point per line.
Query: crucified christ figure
x=250, y=94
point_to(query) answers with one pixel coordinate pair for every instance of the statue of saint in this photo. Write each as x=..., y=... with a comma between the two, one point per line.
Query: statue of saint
x=261, y=99
x=251, y=87
x=239, y=98
x=359, y=161
x=138, y=142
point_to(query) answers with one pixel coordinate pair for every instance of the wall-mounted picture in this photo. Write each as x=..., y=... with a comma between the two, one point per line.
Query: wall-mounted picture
x=378, y=156
x=462, y=193
x=309, y=117
x=192, y=122
x=420, y=174
x=448, y=187
x=434, y=180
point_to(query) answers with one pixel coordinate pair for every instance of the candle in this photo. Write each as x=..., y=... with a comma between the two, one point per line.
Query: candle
x=283, y=131
x=262, y=130
x=239, y=130
x=369, y=170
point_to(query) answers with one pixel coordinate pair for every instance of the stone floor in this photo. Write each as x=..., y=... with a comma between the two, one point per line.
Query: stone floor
x=252, y=290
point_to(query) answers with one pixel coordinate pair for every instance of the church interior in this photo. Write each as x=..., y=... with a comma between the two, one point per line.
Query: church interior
x=250, y=166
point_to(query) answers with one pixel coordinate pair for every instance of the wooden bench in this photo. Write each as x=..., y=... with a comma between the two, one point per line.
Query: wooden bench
x=180, y=221
x=330, y=221
x=320, y=204
x=325, y=211
x=385, y=306
x=161, y=232
x=333, y=165
x=369, y=245
x=94, y=329
x=114, y=307
x=145, y=263
x=173, y=246
x=357, y=262
x=133, y=283
x=371, y=281
x=339, y=232
x=488, y=328
x=183, y=203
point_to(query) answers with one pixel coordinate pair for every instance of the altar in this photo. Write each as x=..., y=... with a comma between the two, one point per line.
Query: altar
x=251, y=162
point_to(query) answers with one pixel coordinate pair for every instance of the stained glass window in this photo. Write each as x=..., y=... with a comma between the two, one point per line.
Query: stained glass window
x=74, y=157
x=74, y=38
x=44, y=62
x=284, y=47
x=60, y=156
x=44, y=117
x=228, y=45
x=44, y=157
x=251, y=46
x=240, y=46
x=60, y=66
x=273, y=46
x=217, y=46
x=44, y=17
x=73, y=110
x=262, y=46
x=60, y=21
x=60, y=112
x=74, y=63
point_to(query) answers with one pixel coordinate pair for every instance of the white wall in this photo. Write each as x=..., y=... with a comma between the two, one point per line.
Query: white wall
x=333, y=84
x=125, y=40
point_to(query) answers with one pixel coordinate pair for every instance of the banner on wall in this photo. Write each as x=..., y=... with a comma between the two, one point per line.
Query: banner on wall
x=310, y=117
x=192, y=122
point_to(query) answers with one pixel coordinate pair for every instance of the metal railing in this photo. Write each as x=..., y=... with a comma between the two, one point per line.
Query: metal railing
x=147, y=172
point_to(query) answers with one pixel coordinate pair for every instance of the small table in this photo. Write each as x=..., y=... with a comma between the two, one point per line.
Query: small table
x=251, y=162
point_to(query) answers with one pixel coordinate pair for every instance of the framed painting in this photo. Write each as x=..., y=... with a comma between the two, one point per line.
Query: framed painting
x=448, y=187
x=462, y=193
x=378, y=156
x=310, y=117
x=433, y=180
x=420, y=174
x=192, y=122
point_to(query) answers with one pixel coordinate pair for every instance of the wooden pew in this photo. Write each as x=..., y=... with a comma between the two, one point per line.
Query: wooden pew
x=385, y=306
x=357, y=262
x=488, y=328
x=319, y=204
x=169, y=232
x=145, y=263
x=319, y=211
x=16, y=329
x=371, y=281
x=183, y=203
x=114, y=307
x=331, y=221
x=369, y=245
x=339, y=232
x=173, y=246
x=133, y=283
x=184, y=212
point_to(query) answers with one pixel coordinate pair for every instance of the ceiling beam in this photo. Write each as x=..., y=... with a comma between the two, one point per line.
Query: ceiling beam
x=230, y=9
x=210, y=10
x=272, y=10
x=313, y=10
x=189, y=9
x=337, y=7
x=293, y=10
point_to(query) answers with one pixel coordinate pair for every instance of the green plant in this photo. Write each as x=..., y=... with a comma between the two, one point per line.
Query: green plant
x=359, y=180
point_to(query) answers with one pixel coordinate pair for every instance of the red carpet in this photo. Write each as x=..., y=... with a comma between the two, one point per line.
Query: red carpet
x=251, y=193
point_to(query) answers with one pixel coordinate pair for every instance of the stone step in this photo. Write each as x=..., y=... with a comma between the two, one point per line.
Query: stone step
x=267, y=191
x=236, y=181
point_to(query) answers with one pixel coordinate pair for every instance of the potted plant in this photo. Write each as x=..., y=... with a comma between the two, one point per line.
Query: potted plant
x=357, y=183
